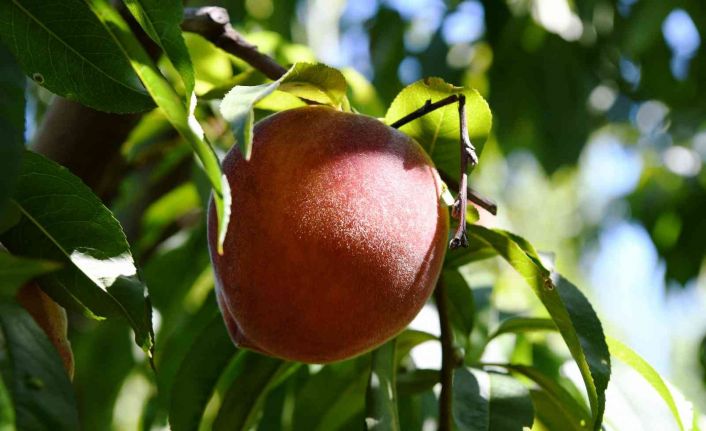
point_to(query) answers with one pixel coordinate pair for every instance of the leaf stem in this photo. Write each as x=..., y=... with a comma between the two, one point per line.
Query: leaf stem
x=448, y=359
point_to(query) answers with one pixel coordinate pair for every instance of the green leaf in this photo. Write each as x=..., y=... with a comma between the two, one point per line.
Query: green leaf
x=490, y=401
x=461, y=304
x=438, y=131
x=198, y=374
x=629, y=357
x=237, y=109
x=523, y=324
x=332, y=396
x=65, y=222
x=15, y=271
x=550, y=415
x=64, y=47
x=574, y=411
x=381, y=395
x=416, y=381
x=12, y=126
x=510, y=404
x=178, y=114
x=254, y=377
x=410, y=338
x=470, y=408
x=161, y=19
x=315, y=82
x=7, y=411
x=34, y=374
x=570, y=310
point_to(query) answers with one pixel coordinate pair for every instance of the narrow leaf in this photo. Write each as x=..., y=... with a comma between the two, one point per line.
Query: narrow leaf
x=12, y=126
x=15, y=271
x=34, y=374
x=62, y=220
x=575, y=412
x=438, y=132
x=161, y=19
x=178, y=114
x=198, y=374
x=381, y=396
x=65, y=48
x=7, y=410
x=629, y=357
x=245, y=395
x=523, y=324
x=570, y=310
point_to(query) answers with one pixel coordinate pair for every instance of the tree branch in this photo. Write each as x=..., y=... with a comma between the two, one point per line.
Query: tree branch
x=213, y=23
x=473, y=195
x=448, y=360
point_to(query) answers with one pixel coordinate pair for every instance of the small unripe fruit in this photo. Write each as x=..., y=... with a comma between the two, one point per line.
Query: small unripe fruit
x=336, y=236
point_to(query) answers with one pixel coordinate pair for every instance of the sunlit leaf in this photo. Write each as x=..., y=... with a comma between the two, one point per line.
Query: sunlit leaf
x=629, y=357
x=161, y=19
x=570, y=310
x=33, y=374
x=315, y=82
x=62, y=220
x=65, y=48
x=177, y=112
x=15, y=271
x=381, y=396
x=237, y=108
x=438, y=131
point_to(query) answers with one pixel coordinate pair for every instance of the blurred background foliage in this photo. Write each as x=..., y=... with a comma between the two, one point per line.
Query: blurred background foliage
x=597, y=156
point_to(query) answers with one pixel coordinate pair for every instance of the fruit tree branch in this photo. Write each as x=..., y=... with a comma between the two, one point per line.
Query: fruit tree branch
x=448, y=361
x=213, y=23
x=473, y=195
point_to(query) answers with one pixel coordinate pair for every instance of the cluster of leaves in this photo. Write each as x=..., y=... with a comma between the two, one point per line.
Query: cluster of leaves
x=58, y=232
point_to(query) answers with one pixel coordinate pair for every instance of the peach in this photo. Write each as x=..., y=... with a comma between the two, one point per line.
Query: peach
x=337, y=236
